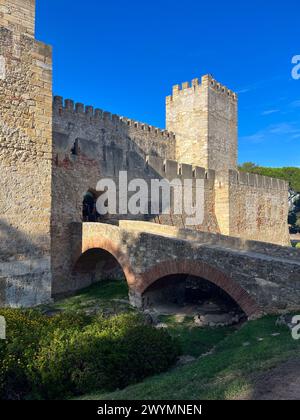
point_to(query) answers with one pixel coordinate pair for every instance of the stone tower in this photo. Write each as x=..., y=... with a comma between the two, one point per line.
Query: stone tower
x=25, y=158
x=204, y=118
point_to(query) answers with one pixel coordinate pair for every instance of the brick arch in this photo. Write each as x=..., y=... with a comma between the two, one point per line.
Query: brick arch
x=204, y=270
x=109, y=246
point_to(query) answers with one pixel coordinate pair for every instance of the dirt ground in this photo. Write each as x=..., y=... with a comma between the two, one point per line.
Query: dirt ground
x=280, y=383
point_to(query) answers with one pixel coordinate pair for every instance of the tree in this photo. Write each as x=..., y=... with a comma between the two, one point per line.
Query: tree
x=292, y=218
x=248, y=167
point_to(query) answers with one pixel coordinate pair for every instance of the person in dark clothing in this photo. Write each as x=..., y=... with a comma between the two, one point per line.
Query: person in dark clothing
x=89, y=208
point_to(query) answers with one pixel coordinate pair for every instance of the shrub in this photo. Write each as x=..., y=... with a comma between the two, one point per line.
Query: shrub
x=298, y=245
x=25, y=329
x=69, y=355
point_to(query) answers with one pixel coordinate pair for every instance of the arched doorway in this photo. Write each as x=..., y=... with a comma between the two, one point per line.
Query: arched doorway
x=89, y=211
x=96, y=265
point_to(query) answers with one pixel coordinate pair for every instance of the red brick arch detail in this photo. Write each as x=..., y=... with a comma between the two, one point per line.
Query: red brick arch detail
x=140, y=282
x=108, y=245
x=204, y=270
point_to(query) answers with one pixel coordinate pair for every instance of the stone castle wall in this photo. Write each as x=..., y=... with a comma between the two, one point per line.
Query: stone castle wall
x=18, y=16
x=258, y=208
x=25, y=158
x=53, y=151
x=91, y=145
x=103, y=128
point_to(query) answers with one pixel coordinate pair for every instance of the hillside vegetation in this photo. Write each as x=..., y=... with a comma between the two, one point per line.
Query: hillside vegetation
x=88, y=342
x=229, y=372
x=91, y=344
x=93, y=340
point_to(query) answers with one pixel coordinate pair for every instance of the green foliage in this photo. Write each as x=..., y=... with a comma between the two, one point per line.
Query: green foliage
x=290, y=174
x=226, y=373
x=298, y=245
x=24, y=331
x=70, y=354
x=108, y=294
x=248, y=167
x=292, y=220
x=194, y=341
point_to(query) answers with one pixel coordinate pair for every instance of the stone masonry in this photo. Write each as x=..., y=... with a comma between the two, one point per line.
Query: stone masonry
x=53, y=151
x=25, y=158
x=261, y=278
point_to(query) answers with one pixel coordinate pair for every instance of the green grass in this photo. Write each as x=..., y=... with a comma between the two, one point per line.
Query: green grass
x=105, y=296
x=194, y=341
x=226, y=374
x=111, y=297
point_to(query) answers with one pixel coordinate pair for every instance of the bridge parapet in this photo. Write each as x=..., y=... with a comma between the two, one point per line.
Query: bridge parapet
x=231, y=242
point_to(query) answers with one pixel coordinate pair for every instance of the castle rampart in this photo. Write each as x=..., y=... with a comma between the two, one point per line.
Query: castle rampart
x=53, y=151
x=75, y=174
x=102, y=126
x=258, y=181
x=258, y=207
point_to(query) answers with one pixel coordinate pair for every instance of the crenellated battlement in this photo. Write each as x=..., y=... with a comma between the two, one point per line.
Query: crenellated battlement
x=257, y=181
x=57, y=150
x=196, y=84
x=171, y=169
x=203, y=114
x=218, y=87
x=65, y=107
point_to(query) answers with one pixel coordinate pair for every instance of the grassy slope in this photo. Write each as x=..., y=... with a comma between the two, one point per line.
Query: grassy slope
x=223, y=375
x=103, y=296
x=111, y=297
x=195, y=341
x=226, y=374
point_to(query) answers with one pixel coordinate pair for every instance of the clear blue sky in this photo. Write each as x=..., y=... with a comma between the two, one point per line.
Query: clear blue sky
x=124, y=57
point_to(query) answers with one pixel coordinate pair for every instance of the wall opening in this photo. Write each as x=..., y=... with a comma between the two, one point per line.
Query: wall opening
x=75, y=151
x=89, y=210
x=192, y=296
x=97, y=265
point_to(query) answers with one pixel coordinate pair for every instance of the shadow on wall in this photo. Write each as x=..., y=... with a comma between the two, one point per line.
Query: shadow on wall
x=18, y=245
x=25, y=271
x=92, y=145
x=96, y=265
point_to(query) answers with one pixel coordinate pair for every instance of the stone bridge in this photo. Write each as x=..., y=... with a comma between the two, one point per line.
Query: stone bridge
x=259, y=277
